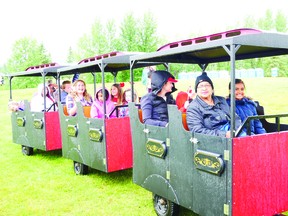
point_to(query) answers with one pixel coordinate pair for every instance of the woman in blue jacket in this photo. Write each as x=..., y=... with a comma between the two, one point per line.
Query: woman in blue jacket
x=246, y=107
x=154, y=104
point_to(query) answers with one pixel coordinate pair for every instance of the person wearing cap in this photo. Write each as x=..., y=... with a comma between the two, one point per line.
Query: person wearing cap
x=154, y=104
x=207, y=113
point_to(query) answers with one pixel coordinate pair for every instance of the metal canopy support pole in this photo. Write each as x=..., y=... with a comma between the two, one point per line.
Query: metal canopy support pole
x=102, y=66
x=232, y=51
x=132, y=78
x=44, y=93
x=10, y=86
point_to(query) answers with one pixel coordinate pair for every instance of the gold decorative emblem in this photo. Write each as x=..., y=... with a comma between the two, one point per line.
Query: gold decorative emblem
x=38, y=123
x=209, y=162
x=156, y=148
x=20, y=121
x=72, y=130
x=95, y=134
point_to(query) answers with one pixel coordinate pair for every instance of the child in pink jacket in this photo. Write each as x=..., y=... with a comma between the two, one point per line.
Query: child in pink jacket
x=97, y=109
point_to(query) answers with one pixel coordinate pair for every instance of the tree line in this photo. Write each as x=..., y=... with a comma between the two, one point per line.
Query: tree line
x=136, y=35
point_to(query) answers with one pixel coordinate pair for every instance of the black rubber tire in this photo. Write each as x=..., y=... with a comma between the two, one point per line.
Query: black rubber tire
x=26, y=150
x=80, y=169
x=164, y=207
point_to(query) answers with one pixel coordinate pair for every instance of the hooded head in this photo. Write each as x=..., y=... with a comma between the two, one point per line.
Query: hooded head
x=159, y=78
x=203, y=77
x=107, y=95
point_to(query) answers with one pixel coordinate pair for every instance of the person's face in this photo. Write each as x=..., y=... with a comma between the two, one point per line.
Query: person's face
x=80, y=88
x=114, y=91
x=168, y=86
x=128, y=97
x=239, y=91
x=100, y=96
x=67, y=88
x=204, y=90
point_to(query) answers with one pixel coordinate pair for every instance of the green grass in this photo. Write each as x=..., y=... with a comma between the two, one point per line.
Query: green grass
x=45, y=183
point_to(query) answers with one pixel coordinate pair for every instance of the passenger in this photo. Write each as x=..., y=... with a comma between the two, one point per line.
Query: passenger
x=52, y=88
x=117, y=93
x=127, y=97
x=65, y=90
x=246, y=107
x=183, y=99
x=37, y=101
x=207, y=113
x=78, y=94
x=15, y=106
x=97, y=109
x=154, y=104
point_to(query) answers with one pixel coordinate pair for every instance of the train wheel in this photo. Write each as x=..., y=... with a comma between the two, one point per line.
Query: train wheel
x=27, y=150
x=164, y=207
x=80, y=169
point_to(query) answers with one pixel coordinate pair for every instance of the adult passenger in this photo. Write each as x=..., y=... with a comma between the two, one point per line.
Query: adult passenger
x=154, y=104
x=37, y=101
x=207, y=113
x=246, y=107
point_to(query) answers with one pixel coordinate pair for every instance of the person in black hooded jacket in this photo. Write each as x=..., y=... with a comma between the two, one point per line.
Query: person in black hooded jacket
x=154, y=104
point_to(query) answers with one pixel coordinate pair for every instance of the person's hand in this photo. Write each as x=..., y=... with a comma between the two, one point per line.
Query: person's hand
x=77, y=99
x=227, y=134
x=191, y=93
x=186, y=104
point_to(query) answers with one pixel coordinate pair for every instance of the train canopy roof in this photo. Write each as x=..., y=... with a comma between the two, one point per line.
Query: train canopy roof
x=249, y=43
x=111, y=62
x=49, y=69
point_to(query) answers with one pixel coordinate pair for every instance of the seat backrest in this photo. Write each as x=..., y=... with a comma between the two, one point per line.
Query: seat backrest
x=65, y=110
x=140, y=115
x=184, y=122
x=86, y=110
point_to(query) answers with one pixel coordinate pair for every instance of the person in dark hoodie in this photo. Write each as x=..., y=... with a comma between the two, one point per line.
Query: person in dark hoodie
x=154, y=104
x=209, y=114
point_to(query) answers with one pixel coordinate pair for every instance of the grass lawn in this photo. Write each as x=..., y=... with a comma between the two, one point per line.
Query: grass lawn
x=45, y=183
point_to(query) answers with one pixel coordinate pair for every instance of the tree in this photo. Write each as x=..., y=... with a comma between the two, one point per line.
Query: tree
x=27, y=52
x=281, y=22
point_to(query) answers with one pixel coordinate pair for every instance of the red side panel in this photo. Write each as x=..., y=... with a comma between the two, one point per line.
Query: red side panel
x=260, y=174
x=53, y=131
x=118, y=144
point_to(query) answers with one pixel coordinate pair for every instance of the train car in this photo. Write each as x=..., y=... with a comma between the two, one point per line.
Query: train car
x=39, y=130
x=212, y=175
x=102, y=144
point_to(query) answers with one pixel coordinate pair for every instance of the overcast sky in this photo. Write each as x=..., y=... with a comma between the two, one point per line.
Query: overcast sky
x=59, y=24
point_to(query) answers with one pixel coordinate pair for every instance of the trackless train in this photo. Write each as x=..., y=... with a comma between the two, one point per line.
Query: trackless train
x=209, y=175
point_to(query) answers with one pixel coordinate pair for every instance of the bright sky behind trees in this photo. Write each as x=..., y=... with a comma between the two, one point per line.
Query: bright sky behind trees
x=60, y=24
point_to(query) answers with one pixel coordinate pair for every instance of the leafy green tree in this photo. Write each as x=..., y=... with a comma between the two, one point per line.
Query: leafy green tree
x=27, y=52
x=281, y=22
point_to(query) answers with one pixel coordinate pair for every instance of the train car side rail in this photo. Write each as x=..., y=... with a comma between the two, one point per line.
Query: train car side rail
x=270, y=127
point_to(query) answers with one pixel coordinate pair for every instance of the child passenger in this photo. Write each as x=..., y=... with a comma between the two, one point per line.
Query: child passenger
x=15, y=106
x=97, y=109
x=127, y=97
x=78, y=94
x=154, y=104
x=116, y=93
x=246, y=107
